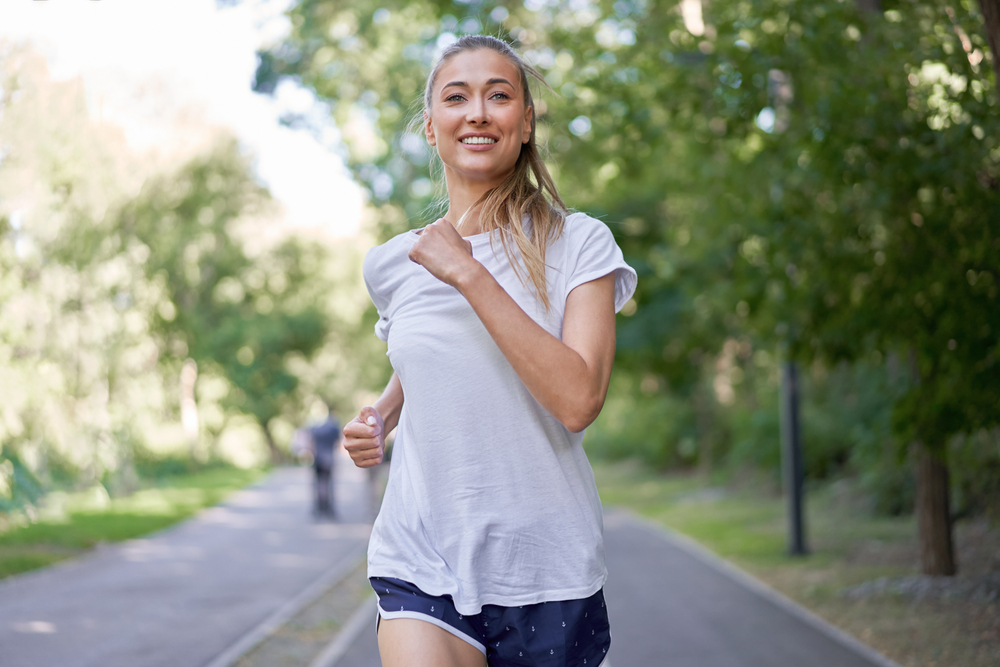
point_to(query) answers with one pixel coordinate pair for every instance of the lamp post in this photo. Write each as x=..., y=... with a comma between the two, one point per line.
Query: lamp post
x=793, y=471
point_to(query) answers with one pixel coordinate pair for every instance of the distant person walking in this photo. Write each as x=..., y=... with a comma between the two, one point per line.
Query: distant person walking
x=325, y=438
x=500, y=322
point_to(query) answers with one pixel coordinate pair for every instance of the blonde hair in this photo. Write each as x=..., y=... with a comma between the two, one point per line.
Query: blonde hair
x=504, y=207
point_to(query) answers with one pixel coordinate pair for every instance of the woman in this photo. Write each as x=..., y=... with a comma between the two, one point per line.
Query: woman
x=500, y=324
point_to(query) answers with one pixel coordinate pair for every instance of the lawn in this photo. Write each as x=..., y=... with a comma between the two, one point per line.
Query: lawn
x=70, y=524
x=745, y=523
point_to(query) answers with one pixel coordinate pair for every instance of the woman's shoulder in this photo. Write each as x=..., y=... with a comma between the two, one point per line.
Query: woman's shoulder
x=384, y=264
x=580, y=228
x=380, y=256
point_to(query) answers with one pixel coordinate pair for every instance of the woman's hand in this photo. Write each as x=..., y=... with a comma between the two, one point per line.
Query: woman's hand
x=364, y=438
x=441, y=250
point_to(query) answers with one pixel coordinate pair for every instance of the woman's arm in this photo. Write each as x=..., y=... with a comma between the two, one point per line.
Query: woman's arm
x=364, y=436
x=568, y=377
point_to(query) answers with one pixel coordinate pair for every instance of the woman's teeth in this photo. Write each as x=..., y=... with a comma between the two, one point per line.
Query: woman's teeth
x=478, y=140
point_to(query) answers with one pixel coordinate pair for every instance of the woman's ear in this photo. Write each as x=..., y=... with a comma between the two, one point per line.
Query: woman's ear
x=429, y=130
x=529, y=113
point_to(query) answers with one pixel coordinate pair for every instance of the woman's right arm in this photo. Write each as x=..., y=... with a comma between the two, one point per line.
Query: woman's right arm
x=364, y=436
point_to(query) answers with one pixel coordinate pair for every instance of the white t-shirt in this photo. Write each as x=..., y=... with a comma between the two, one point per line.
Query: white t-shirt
x=490, y=499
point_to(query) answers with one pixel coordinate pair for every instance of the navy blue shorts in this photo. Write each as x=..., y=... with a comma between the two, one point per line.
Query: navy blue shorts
x=547, y=634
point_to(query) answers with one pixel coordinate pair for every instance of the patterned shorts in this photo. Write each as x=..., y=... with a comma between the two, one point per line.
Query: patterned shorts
x=548, y=634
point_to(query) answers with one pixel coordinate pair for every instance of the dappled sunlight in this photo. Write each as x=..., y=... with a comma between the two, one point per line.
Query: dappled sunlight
x=35, y=628
x=141, y=551
x=291, y=561
x=222, y=516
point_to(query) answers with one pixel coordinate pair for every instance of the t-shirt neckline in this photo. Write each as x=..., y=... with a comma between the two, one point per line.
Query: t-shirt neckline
x=474, y=238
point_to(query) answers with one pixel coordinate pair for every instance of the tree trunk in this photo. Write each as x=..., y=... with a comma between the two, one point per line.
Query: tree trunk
x=937, y=554
x=703, y=424
x=933, y=507
x=189, y=406
x=276, y=456
x=991, y=17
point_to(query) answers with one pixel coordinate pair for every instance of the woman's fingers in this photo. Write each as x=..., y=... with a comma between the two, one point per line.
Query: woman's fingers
x=368, y=462
x=365, y=452
x=363, y=438
x=442, y=251
x=369, y=416
x=363, y=427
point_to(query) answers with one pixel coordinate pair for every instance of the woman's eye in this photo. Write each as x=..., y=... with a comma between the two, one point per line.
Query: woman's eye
x=498, y=95
x=452, y=98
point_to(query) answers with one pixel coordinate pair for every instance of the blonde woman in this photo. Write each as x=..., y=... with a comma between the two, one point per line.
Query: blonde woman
x=500, y=324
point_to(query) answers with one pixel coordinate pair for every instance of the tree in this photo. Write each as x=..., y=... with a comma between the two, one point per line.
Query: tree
x=70, y=360
x=886, y=222
x=242, y=318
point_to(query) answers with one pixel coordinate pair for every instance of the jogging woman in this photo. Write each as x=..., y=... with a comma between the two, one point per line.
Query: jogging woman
x=500, y=324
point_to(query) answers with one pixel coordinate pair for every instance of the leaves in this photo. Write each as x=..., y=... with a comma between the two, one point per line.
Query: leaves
x=805, y=175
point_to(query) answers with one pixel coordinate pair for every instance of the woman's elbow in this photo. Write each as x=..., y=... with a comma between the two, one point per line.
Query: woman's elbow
x=582, y=413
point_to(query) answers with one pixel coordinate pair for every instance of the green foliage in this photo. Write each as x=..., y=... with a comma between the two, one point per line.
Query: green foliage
x=805, y=177
x=655, y=427
x=975, y=468
x=117, y=270
x=237, y=316
x=18, y=486
x=882, y=214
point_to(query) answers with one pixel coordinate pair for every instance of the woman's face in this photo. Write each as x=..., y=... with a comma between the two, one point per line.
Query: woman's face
x=477, y=117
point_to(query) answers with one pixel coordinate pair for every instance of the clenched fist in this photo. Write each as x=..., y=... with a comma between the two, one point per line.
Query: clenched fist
x=364, y=438
x=442, y=251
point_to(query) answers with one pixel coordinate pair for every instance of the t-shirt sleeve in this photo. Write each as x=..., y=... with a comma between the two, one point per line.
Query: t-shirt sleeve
x=596, y=255
x=372, y=274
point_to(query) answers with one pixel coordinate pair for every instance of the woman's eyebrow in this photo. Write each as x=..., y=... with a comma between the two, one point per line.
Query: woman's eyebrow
x=463, y=84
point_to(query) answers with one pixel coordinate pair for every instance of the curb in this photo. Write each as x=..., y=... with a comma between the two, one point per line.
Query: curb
x=310, y=593
x=755, y=585
x=335, y=650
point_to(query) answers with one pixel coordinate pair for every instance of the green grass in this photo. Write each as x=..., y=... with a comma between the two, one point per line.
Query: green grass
x=745, y=523
x=733, y=524
x=72, y=523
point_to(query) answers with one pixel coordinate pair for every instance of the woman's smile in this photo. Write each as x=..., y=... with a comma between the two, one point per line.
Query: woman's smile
x=478, y=142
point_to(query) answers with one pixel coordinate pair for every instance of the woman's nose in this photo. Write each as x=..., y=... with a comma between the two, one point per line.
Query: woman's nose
x=477, y=113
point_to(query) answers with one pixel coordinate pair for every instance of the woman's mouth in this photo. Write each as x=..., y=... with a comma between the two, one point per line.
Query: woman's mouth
x=477, y=141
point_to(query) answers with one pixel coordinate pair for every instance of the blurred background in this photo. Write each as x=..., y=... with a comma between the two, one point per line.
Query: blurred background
x=187, y=190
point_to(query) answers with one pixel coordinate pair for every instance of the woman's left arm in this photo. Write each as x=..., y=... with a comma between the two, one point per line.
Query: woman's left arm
x=568, y=377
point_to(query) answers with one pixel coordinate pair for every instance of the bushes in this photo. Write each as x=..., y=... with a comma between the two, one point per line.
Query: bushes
x=18, y=487
x=975, y=473
x=846, y=432
x=653, y=427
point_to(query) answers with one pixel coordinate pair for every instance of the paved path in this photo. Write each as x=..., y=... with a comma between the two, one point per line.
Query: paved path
x=182, y=596
x=187, y=595
x=673, y=605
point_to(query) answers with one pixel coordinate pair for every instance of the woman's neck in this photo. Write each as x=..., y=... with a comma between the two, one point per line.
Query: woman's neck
x=462, y=197
x=470, y=225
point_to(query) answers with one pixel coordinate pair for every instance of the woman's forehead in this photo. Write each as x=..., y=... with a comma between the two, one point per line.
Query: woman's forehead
x=476, y=68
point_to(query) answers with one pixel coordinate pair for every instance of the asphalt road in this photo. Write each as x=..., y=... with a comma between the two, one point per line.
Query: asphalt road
x=181, y=597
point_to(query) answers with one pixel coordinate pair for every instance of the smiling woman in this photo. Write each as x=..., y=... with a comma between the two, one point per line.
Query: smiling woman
x=484, y=99
x=488, y=545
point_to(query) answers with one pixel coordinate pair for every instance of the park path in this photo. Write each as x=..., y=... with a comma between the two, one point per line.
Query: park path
x=673, y=604
x=201, y=593
x=181, y=597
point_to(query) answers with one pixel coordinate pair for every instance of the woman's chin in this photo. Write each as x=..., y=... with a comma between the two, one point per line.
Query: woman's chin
x=480, y=173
